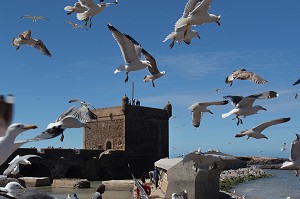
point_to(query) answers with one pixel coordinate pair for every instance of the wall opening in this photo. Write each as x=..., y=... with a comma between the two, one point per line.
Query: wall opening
x=75, y=171
x=108, y=145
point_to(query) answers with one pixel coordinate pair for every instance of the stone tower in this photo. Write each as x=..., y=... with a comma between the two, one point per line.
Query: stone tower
x=142, y=133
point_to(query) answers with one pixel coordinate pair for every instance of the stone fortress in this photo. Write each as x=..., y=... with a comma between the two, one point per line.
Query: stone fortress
x=136, y=135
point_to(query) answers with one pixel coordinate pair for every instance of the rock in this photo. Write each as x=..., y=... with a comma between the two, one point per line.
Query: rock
x=71, y=183
x=35, y=181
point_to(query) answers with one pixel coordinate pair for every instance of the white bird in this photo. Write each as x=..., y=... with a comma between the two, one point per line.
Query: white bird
x=71, y=118
x=75, y=25
x=13, y=167
x=294, y=162
x=196, y=13
x=181, y=195
x=155, y=73
x=242, y=74
x=7, y=141
x=256, y=132
x=34, y=18
x=6, y=112
x=108, y=151
x=283, y=148
x=92, y=10
x=78, y=8
x=198, y=108
x=25, y=38
x=178, y=36
x=131, y=52
x=11, y=188
x=244, y=105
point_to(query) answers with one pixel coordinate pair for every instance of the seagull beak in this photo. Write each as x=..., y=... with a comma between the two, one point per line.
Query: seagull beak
x=150, y=65
x=27, y=127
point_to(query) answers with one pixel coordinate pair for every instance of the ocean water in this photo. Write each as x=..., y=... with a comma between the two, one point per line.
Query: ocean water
x=284, y=183
x=61, y=193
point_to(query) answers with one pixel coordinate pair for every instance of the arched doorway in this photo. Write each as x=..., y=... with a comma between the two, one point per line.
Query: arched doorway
x=75, y=171
x=108, y=145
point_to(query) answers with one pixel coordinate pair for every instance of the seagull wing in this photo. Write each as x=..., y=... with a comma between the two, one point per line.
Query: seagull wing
x=27, y=17
x=245, y=75
x=41, y=47
x=153, y=70
x=26, y=34
x=201, y=7
x=126, y=46
x=87, y=3
x=189, y=7
x=297, y=82
x=265, y=95
x=16, y=161
x=6, y=113
x=265, y=125
x=205, y=104
x=83, y=114
x=295, y=149
x=235, y=99
x=43, y=18
x=65, y=113
x=49, y=133
x=137, y=46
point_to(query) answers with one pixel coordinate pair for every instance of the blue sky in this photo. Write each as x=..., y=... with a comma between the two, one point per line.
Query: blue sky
x=260, y=36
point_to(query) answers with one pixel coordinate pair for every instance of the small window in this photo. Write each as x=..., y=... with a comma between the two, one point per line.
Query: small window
x=108, y=145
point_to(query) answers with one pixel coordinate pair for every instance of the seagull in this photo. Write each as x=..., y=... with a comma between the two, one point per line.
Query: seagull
x=131, y=51
x=294, y=162
x=92, y=10
x=216, y=90
x=181, y=195
x=75, y=25
x=242, y=74
x=7, y=141
x=244, y=105
x=6, y=112
x=297, y=82
x=11, y=188
x=25, y=38
x=207, y=161
x=71, y=118
x=296, y=95
x=34, y=18
x=198, y=108
x=108, y=151
x=178, y=35
x=155, y=73
x=283, y=148
x=256, y=131
x=196, y=13
x=13, y=167
x=78, y=8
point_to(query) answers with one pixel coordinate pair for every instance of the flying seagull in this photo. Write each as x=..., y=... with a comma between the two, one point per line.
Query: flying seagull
x=73, y=117
x=244, y=105
x=294, y=162
x=283, y=148
x=196, y=13
x=256, y=132
x=13, y=167
x=7, y=141
x=6, y=112
x=155, y=73
x=178, y=36
x=297, y=82
x=25, y=38
x=75, y=25
x=131, y=53
x=92, y=10
x=34, y=18
x=242, y=74
x=78, y=8
x=198, y=108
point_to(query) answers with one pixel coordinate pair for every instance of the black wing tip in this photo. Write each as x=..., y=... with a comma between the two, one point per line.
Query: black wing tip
x=239, y=135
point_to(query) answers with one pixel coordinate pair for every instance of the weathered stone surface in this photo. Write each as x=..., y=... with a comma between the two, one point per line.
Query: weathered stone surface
x=71, y=183
x=35, y=181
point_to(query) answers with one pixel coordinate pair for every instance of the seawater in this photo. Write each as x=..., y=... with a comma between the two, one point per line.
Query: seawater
x=62, y=193
x=282, y=184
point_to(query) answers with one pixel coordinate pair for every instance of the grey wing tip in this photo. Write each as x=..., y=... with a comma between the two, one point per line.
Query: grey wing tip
x=225, y=101
x=239, y=135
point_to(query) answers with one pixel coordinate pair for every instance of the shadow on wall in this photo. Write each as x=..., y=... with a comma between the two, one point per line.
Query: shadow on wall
x=75, y=171
x=35, y=170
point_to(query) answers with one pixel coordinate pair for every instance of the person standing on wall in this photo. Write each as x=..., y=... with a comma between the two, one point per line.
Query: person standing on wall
x=156, y=176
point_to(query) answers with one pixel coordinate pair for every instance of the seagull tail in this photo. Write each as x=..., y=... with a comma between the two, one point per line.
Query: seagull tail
x=170, y=36
x=286, y=164
x=226, y=115
x=119, y=69
x=181, y=23
x=147, y=78
x=82, y=16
